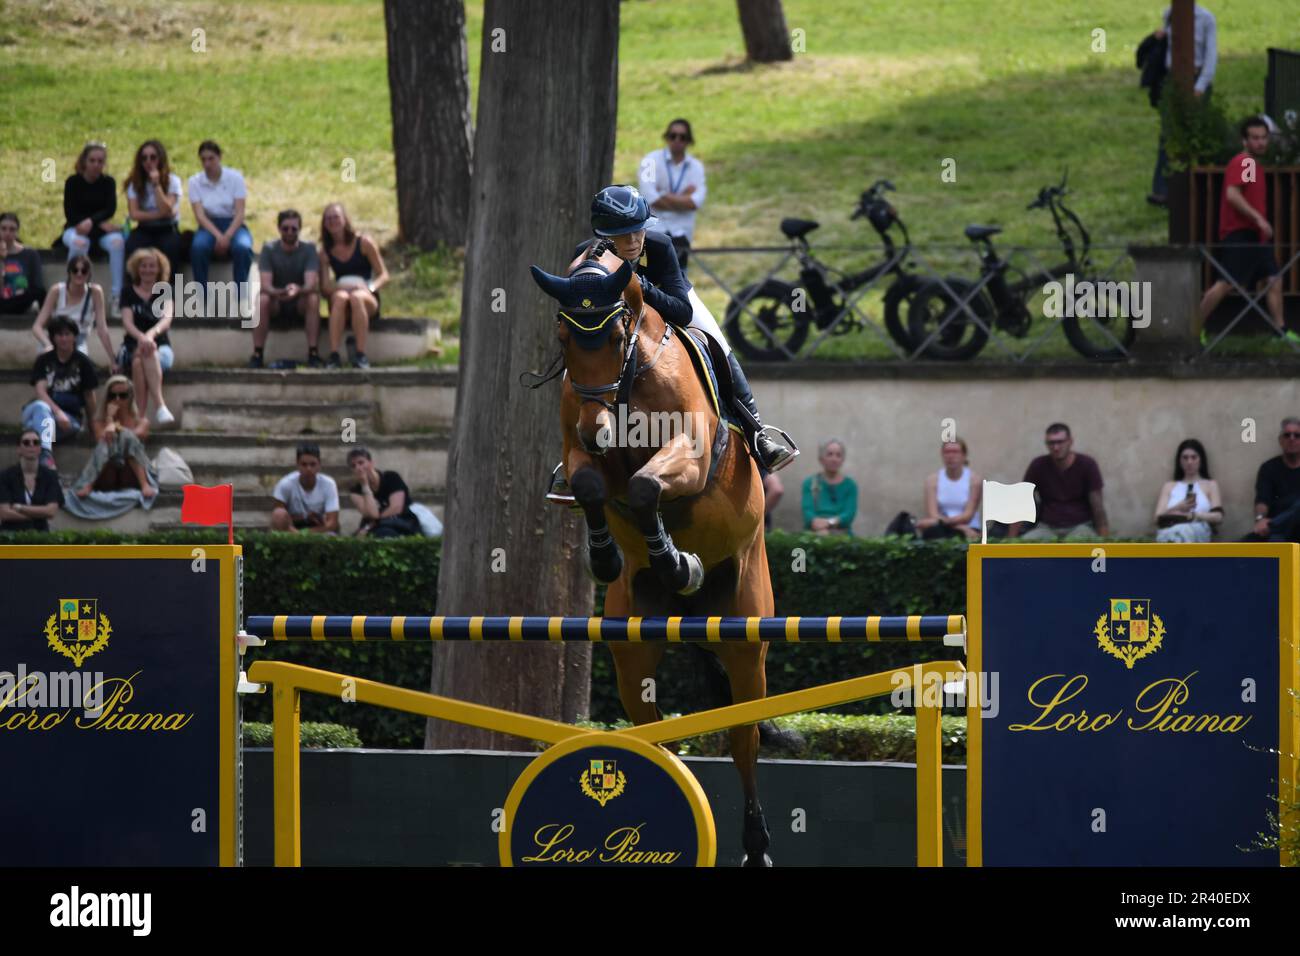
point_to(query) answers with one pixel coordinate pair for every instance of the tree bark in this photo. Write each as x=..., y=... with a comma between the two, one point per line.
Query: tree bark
x=428, y=84
x=766, y=38
x=544, y=145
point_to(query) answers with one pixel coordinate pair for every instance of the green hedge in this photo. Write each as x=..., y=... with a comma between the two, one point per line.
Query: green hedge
x=811, y=575
x=311, y=733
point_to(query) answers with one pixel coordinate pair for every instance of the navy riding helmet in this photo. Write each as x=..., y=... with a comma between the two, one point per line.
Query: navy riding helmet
x=618, y=210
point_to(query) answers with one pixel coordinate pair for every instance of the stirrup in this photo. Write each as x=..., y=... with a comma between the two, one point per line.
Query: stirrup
x=789, y=453
x=560, y=493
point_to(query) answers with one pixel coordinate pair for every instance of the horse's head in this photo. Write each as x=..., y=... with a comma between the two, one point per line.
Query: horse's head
x=599, y=299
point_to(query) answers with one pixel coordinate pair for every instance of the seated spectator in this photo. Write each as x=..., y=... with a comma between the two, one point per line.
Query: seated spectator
x=64, y=381
x=119, y=460
x=1067, y=487
x=830, y=499
x=30, y=494
x=217, y=196
x=146, y=347
x=1277, y=490
x=773, y=491
x=952, y=497
x=1188, y=508
x=382, y=498
x=153, y=196
x=81, y=302
x=305, y=499
x=358, y=273
x=22, y=286
x=290, y=286
x=89, y=204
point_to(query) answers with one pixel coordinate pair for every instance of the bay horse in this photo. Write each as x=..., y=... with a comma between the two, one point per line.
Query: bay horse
x=674, y=527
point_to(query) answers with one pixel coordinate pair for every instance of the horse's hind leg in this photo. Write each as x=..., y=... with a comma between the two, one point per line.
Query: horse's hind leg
x=744, y=664
x=633, y=663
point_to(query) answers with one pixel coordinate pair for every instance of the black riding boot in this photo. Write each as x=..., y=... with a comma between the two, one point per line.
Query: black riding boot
x=773, y=448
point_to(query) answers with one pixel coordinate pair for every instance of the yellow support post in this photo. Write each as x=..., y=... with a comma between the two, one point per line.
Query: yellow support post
x=288, y=812
x=929, y=787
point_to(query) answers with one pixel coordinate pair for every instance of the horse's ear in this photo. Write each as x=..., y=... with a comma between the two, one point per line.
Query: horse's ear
x=556, y=287
x=624, y=275
x=632, y=294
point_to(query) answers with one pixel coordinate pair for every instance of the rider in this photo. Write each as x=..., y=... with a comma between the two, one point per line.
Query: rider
x=620, y=218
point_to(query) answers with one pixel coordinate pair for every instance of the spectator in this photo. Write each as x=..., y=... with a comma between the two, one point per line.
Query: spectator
x=89, y=205
x=217, y=196
x=773, y=492
x=830, y=499
x=146, y=317
x=1245, y=235
x=81, y=302
x=23, y=284
x=30, y=494
x=1206, y=54
x=1068, y=491
x=1277, y=490
x=382, y=498
x=952, y=497
x=358, y=275
x=153, y=196
x=64, y=381
x=673, y=184
x=1189, y=506
x=119, y=459
x=305, y=499
x=290, y=284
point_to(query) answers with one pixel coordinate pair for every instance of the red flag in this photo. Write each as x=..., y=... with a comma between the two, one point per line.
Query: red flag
x=203, y=505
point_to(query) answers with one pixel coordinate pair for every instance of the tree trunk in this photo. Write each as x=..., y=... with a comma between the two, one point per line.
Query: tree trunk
x=428, y=84
x=540, y=157
x=766, y=38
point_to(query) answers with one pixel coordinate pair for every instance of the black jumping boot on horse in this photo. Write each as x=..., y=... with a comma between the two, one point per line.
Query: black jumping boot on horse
x=773, y=449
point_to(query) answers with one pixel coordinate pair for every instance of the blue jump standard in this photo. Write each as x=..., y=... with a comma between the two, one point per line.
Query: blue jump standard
x=813, y=630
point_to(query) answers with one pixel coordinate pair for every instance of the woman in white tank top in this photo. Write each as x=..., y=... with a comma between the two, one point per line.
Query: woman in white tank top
x=952, y=497
x=1188, y=507
x=81, y=302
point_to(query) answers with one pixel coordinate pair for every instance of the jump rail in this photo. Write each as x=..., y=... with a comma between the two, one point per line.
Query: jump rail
x=948, y=628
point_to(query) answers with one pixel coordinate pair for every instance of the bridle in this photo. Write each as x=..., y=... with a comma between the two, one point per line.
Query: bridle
x=592, y=322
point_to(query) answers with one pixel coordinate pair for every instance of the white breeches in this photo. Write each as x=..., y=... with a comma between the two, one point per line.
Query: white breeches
x=702, y=318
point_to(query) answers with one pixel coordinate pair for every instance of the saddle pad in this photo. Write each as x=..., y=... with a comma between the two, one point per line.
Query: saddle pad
x=703, y=363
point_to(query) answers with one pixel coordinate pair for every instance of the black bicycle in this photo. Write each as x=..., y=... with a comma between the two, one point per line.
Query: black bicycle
x=954, y=322
x=771, y=320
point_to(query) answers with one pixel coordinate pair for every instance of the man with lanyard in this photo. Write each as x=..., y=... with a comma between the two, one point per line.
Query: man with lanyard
x=620, y=216
x=673, y=184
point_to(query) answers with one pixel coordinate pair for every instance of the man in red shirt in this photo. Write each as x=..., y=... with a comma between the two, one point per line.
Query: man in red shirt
x=1245, y=236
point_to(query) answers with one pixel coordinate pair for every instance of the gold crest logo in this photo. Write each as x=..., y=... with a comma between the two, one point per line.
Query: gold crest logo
x=603, y=782
x=78, y=630
x=1129, y=631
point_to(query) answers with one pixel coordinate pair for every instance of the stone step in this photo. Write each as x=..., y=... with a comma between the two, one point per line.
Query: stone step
x=279, y=416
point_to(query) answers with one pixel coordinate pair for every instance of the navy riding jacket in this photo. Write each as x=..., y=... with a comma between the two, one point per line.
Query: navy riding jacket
x=663, y=286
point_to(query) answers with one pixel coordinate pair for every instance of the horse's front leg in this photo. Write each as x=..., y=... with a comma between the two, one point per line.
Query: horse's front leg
x=604, y=559
x=679, y=471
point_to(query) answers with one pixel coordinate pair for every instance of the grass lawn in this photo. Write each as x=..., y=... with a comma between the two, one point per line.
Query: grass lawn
x=297, y=95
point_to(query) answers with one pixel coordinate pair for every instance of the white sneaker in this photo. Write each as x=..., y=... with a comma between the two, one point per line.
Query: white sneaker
x=163, y=416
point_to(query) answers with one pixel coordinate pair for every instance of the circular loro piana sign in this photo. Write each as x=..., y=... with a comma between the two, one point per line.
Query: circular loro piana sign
x=604, y=799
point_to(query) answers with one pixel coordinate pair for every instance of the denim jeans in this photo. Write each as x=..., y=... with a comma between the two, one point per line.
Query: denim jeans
x=39, y=417
x=110, y=242
x=241, y=250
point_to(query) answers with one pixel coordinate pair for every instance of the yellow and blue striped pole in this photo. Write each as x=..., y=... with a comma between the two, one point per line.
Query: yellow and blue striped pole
x=948, y=628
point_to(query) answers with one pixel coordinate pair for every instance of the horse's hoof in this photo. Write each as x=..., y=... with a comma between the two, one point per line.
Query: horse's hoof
x=766, y=861
x=695, y=573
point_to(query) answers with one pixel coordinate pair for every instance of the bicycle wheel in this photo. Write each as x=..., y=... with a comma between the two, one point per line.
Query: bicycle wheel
x=898, y=294
x=767, y=322
x=1099, y=337
x=934, y=310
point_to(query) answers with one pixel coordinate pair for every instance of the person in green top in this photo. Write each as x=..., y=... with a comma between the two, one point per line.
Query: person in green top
x=830, y=499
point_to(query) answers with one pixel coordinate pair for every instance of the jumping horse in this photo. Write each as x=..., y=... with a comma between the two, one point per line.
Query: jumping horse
x=672, y=529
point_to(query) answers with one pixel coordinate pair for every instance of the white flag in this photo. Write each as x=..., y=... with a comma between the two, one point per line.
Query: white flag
x=1007, y=504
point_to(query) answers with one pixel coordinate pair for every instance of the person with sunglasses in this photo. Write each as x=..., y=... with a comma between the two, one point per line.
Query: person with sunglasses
x=1277, y=490
x=119, y=460
x=290, y=274
x=673, y=183
x=81, y=302
x=1067, y=487
x=64, y=381
x=153, y=196
x=22, y=278
x=30, y=494
x=89, y=204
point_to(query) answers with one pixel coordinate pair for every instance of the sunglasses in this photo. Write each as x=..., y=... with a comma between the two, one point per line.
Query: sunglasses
x=30, y=442
x=80, y=271
x=1291, y=434
x=113, y=396
x=675, y=136
x=288, y=228
x=148, y=155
